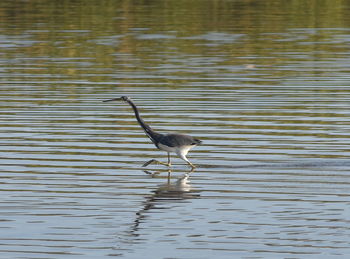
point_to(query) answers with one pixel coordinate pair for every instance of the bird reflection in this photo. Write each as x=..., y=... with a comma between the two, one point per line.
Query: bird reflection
x=171, y=191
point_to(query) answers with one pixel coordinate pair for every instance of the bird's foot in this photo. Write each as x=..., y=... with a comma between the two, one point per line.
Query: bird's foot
x=156, y=162
x=193, y=167
x=149, y=162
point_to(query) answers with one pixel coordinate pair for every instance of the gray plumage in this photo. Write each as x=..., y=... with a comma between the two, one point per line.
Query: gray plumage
x=177, y=140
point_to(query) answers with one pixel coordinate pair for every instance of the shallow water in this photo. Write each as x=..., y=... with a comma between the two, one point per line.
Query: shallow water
x=265, y=87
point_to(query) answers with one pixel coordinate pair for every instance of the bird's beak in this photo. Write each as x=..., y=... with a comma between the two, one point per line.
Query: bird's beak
x=114, y=99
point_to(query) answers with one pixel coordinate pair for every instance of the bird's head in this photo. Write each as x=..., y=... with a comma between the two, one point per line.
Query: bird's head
x=123, y=98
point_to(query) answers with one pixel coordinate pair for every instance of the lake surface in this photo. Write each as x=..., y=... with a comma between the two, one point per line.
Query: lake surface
x=264, y=84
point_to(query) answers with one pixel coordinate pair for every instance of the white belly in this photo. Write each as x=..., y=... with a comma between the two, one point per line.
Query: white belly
x=166, y=148
x=180, y=151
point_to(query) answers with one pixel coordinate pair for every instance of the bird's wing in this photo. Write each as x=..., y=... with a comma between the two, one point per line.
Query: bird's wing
x=176, y=140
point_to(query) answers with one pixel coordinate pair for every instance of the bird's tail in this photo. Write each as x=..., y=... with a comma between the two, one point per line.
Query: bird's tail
x=197, y=141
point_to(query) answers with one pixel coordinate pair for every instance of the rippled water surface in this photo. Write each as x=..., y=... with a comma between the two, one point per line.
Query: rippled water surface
x=264, y=85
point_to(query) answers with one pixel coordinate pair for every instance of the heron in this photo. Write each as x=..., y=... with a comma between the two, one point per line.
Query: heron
x=181, y=144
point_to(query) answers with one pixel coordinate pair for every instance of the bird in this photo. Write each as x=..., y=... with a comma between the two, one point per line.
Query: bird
x=181, y=144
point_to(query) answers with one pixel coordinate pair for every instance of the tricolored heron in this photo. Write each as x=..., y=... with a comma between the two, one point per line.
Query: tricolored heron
x=178, y=143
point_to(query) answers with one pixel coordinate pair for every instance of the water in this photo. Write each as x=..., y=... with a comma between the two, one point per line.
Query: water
x=264, y=85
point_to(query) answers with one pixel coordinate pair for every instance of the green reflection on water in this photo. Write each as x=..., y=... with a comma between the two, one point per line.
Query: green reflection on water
x=119, y=41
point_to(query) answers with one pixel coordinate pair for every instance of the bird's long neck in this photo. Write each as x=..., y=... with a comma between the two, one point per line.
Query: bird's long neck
x=154, y=136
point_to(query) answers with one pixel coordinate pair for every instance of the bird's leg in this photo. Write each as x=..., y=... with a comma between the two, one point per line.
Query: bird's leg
x=148, y=162
x=169, y=162
x=182, y=155
x=192, y=166
x=158, y=162
x=154, y=161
